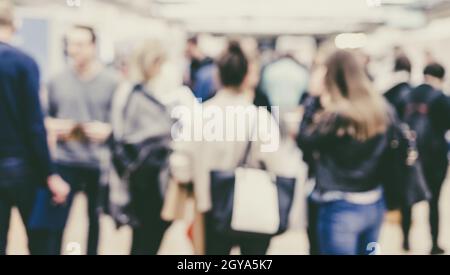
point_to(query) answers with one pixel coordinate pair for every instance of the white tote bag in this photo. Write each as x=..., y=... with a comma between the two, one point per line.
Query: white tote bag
x=256, y=208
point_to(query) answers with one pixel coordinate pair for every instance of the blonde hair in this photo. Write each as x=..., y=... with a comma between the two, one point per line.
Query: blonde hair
x=6, y=13
x=151, y=53
x=354, y=98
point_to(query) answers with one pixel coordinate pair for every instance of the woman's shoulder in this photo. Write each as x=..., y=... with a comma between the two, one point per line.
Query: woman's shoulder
x=123, y=90
x=175, y=96
x=184, y=96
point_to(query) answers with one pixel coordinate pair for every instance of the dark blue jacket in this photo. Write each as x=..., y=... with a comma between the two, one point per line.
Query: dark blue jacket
x=22, y=130
x=397, y=96
x=202, y=80
x=432, y=147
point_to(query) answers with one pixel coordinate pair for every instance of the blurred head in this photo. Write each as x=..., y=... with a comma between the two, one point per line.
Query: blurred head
x=398, y=50
x=233, y=66
x=434, y=74
x=82, y=45
x=402, y=64
x=6, y=20
x=352, y=96
x=149, y=59
x=192, y=49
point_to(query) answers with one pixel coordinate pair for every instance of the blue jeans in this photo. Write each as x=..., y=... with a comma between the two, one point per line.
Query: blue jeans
x=349, y=229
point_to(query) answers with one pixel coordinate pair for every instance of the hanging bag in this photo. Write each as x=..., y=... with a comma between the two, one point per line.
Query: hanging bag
x=402, y=176
x=250, y=201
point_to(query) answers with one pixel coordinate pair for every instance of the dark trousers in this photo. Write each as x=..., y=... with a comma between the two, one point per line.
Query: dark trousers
x=23, y=200
x=146, y=205
x=17, y=189
x=85, y=180
x=313, y=212
x=435, y=179
x=406, y=225
x=219, y=244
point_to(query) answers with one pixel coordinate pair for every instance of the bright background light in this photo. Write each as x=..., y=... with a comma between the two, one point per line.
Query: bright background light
x=351, y=40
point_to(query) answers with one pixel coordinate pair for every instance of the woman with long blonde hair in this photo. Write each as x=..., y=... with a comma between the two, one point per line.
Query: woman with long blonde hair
x=345, y=128
x=142, y=114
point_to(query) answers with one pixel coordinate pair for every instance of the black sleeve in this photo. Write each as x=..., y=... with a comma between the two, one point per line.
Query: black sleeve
x=51, y=108
x=316, y=135
x=33, y=120
x=441, y=112
x=262, y=100
x=304, y=98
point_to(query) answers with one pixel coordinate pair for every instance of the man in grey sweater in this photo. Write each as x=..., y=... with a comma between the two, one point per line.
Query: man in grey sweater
x=79, y=103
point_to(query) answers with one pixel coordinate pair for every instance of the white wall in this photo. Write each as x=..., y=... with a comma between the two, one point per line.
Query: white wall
x=114, y=26
x=434, y=38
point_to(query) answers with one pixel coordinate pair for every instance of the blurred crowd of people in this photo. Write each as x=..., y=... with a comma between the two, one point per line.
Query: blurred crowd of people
x=113, y=138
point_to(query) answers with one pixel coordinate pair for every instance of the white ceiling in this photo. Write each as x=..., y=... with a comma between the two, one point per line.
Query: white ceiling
x=280, y=16
x=292, y=16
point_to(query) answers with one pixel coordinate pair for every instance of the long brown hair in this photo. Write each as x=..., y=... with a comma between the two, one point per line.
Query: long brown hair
x=353, y=97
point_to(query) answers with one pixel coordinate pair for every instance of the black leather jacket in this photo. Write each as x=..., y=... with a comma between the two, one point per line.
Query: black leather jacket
x=340, y=163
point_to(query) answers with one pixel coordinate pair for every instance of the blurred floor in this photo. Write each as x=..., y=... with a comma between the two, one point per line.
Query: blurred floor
x=118, y=242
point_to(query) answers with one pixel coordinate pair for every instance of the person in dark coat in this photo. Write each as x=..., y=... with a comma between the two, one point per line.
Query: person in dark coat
x=427, y=111
x=202, y=71
x=25, y=162
x=401, y=86
x=397, y=96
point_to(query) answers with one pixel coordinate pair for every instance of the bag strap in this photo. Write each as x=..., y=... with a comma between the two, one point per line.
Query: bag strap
x=244, y=161
x=134, y=166
x=141, y=88
x=121, y=105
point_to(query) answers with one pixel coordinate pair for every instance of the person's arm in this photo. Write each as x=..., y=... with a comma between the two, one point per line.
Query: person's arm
x=446, y=112
x=312, y=134
x=51, y=107
x=184, y=147
x=441, y=112
x=36, y=134
x=34, y=119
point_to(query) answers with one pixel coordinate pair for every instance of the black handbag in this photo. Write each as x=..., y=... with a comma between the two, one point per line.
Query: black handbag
x=402, y=176
x=222, y=196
